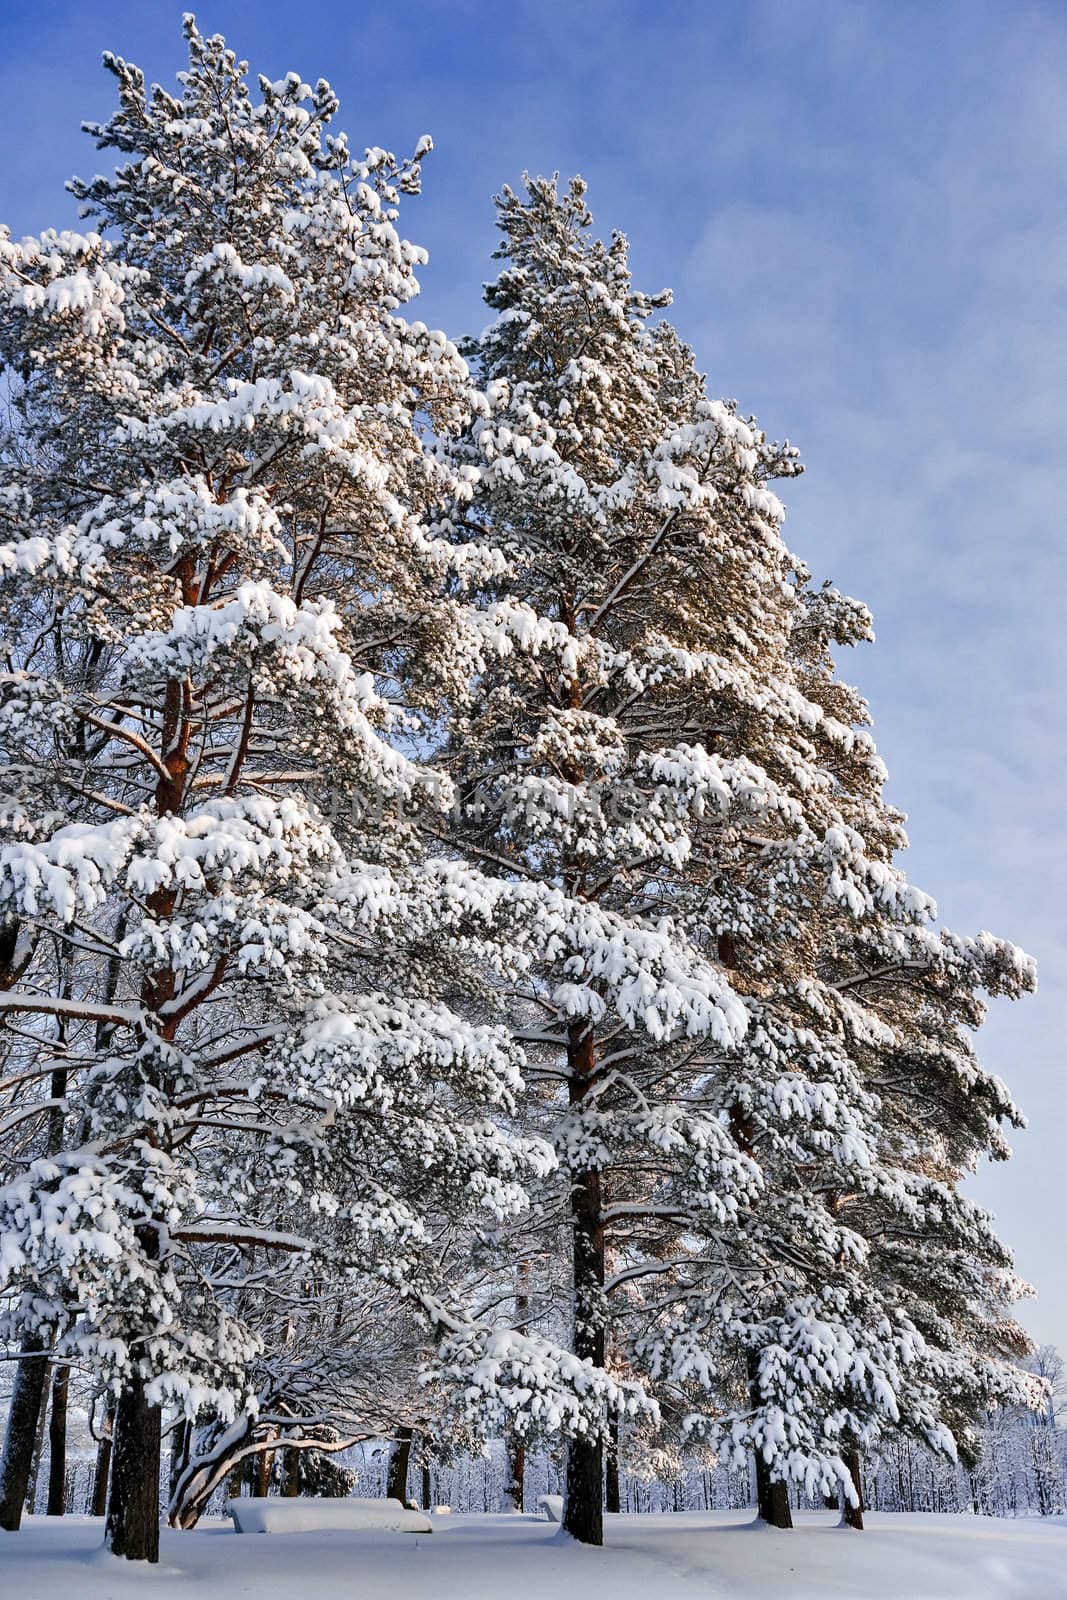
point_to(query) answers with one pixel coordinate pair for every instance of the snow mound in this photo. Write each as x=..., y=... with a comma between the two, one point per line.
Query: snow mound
x=552, y=1506
x=306, y=1514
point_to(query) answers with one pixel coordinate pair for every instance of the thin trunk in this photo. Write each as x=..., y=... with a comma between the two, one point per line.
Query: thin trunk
x=23, y=1420
x=901, y=1492
x=31, y=1370
x=291, y=1474
x=180, y=1440
x=514, y=1488
x=38, y=1446
x=57, y=1443
x=133, y=1503
x=427, y=1487
x=397, y=1485
x=264, y=1467
x=852, y=1515
x=612, y=1499
x=583, y=1505
x=103, y=1463
x=25, y=1435
x=516, y=1474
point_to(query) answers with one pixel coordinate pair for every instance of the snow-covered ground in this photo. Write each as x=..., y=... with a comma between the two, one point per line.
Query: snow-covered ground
x=717, y=1555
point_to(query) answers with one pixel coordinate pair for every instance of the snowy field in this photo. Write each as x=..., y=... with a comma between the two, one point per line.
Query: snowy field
x=719, y=1555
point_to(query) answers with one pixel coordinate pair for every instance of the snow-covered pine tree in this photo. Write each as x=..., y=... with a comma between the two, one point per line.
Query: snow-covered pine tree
x=216, y=578
x=863, y=1296
x=589, y=751
x=910, y=999
x=669, y=743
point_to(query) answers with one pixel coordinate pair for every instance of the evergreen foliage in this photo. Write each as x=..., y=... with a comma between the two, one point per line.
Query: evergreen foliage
x=456, y=974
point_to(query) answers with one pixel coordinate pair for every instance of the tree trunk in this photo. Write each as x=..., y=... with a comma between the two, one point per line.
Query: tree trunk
x=583, y=1505
x=514, y=1488
x=264, y=1467
x=427, y=1487
x=852, y=1516
x=612, y=1499
x=57, y=1410
x=38, y=1447
x=516, y=1474
x=291, y=1474
x=132, y=1525
x=133, y=1503
x=397, y=1484
x=26, y=1406
x=57, y=1443
x=180, y=1441
x=772, y=1497
x=103, y=1466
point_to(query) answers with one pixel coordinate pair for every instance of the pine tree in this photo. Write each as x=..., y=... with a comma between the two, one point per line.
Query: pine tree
x=668, y=741
x=218, y=593
x=862, y=1297
x=583, y=763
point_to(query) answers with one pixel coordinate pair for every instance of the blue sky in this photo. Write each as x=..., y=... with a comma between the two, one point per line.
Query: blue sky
x=861, y=208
